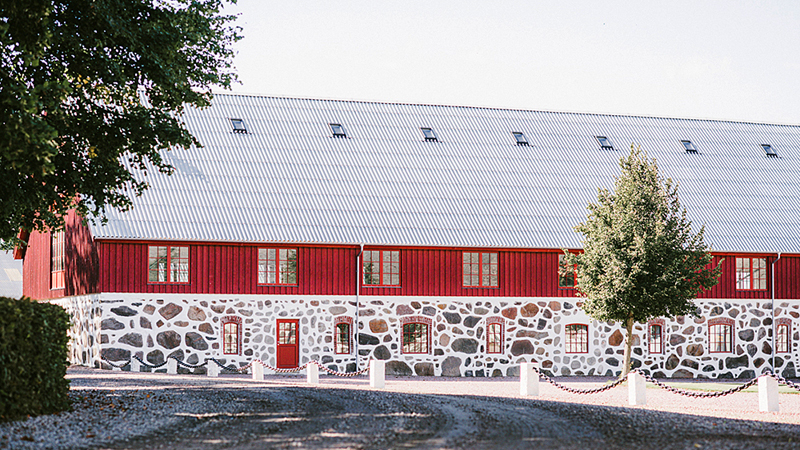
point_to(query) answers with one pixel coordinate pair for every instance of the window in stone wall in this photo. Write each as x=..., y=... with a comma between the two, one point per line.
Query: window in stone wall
x=655, y=333
x=342, y=339
x=167, y=264
x=231, y=335
x=416, y=335
x=576, y=339
x=381, y=267
x=494, y=335
x=720, y=335
x=751, y=273
x=277, y=266
x=480, y=269
x=783, y=331
x=57, y=260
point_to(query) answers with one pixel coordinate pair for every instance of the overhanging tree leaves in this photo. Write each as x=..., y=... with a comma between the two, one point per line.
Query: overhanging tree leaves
x=641, y=258
x=73, y=75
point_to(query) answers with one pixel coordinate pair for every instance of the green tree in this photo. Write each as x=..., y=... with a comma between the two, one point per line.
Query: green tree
x=641, y=258
x=92, y=89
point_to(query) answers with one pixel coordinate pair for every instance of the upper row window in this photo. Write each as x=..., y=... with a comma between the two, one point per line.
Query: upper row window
x=57, y=260
x=382, y=267
x=277, y=266
x=751, y=273
x=480, y=269
x=167, y=264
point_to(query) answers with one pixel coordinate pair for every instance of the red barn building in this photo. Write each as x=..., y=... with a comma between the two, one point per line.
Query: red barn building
x=428, y=236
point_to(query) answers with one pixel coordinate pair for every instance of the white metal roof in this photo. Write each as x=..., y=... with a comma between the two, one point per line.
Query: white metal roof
x=289, y=180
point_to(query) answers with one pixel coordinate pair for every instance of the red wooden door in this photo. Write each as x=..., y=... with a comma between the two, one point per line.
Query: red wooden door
x=288, y=347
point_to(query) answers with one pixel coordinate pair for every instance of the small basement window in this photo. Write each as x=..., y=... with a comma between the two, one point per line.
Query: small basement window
x=429, y=134
x=338, y=130
x=239, y=126
x=689, y=146
x=604, y=142
x=769, y=150
x=521, y=140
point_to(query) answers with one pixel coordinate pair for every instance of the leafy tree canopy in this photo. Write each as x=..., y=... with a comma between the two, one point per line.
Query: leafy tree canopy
x=92, y=88
x=641, y=258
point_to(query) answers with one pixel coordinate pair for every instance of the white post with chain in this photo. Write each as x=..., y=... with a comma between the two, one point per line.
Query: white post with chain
x=377, y=373
x=312, y=373
x=768, y=394
x=172, y=366
x=258, y=371
x=136, y=366
x=528, y=379
x=636, y=389
x=213, y=368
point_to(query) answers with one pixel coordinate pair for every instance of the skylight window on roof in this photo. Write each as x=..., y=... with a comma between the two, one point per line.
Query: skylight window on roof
x=429, y=134
x=770, y=151
x=520, y=137
x=604, y=142
x=689, y=146
x=338, y=130
x=238, y=126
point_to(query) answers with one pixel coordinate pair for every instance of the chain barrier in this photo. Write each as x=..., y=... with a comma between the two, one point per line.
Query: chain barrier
x=579, y=391
x=231, y=368
x=116, y=366
x=782, y=380
x=190, y=366
x=152, y=366
x=696, y=394
x=341, y=374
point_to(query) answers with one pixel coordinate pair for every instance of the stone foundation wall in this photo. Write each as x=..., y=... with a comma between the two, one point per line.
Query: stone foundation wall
x=155, y=326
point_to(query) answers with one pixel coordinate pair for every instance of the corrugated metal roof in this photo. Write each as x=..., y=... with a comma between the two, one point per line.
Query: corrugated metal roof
x=289, y=180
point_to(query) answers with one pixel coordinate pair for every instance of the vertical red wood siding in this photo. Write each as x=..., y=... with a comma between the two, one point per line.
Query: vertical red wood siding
x=438, y=272
x=726, y=288
x=787, y=277
x=232, y=269
x=227, y=269
x=80, y=262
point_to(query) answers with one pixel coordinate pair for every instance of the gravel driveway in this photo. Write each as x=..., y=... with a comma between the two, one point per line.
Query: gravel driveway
x=122, y=410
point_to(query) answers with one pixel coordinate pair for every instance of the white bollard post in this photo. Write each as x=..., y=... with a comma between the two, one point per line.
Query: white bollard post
x=116, y=369
x=377, y=373
x=636, y=389
x=172, y=366
x=768, y=394
x=136, y=366
x=212, y=369
x=312, y=373
x=528, y=379
x=258, y=371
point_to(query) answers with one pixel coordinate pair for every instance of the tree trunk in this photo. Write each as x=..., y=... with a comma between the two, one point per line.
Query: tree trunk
x=626, y=366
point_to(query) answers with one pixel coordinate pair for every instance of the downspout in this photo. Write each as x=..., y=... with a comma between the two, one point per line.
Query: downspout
x=358, y=306
x=773, y=311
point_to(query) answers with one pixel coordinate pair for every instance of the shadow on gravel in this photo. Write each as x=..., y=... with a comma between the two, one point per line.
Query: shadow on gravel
x=294, y=417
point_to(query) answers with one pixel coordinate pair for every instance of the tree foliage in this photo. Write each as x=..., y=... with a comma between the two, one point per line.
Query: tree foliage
x=92, y=88
x=641, y=258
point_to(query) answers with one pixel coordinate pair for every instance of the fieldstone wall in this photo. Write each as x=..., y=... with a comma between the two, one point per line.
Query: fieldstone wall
x=157, y=326
x=85, y=311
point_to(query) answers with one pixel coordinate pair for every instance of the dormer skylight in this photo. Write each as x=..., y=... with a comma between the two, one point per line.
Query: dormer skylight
x=238, y=126
x=520, y=137
x=338, y=130
x=429, y=134
x=769, y=150
x=605, y=142
x=689, y=146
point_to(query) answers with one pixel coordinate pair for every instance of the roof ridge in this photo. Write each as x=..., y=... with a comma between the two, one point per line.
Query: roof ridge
x=494, y=108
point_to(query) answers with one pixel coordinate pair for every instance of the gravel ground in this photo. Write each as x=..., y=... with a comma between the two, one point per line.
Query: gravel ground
x=122, y=410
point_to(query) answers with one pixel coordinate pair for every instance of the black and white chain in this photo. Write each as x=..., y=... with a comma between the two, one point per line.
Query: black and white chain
x=579, y=391
x=696, y=394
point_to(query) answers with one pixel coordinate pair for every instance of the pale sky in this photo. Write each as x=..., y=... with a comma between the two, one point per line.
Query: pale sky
x=733, y=60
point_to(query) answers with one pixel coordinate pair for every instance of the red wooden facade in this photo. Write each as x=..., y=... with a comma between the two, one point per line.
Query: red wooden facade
x=216, y=268
x=80, y=258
